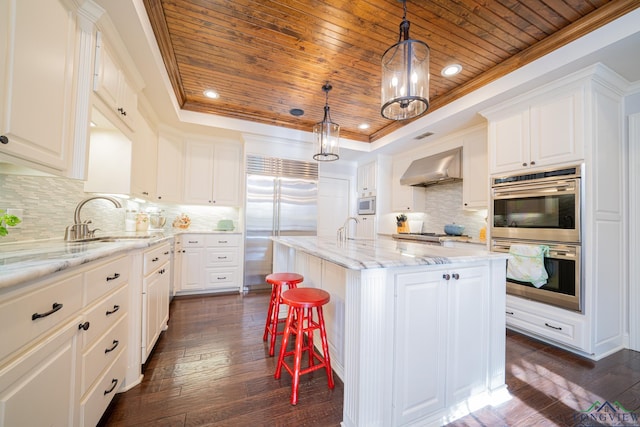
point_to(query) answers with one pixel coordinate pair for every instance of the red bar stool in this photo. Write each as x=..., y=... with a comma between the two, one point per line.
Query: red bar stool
x=301, y=324
x=277, y=280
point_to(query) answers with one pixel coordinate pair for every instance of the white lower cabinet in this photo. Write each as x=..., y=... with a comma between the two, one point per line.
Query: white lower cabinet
x=43, y=376
x=156, y=286
x=545, y=321
x=67, y=338
x=441, y=343
x=210, y=263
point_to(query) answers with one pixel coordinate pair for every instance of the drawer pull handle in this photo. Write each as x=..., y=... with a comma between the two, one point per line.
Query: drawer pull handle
x=222, y=278
x=510, y=313
x=54, y=308
x=446, y=276
x=114, y=277
x=557, y=328
x=193, y=241
x=455, y=276
x=155, y=259
x=222, y=241
x=222, y=257
x=166, y=253
x=109, y=350
x=84, y=326
x=115, y=308
x=114, y=383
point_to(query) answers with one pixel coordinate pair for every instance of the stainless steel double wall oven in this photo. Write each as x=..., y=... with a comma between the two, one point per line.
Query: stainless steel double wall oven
x=543, y=208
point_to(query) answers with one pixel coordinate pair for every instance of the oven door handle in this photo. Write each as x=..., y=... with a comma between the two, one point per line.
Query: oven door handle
x=533, y=190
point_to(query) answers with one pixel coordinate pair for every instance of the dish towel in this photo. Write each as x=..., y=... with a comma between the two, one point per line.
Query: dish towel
x=527, y=264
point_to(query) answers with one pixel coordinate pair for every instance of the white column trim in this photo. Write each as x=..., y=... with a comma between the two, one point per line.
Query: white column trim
x=634, y=231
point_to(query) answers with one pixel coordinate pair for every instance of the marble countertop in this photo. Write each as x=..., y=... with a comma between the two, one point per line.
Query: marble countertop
x=384, y=252
x=28, y=260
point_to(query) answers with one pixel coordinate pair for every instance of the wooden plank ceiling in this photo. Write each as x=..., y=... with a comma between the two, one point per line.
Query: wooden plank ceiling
x=266, y=57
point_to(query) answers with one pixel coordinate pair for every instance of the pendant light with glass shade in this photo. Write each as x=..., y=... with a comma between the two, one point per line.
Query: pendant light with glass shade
x=405, y=76
x=327, y=133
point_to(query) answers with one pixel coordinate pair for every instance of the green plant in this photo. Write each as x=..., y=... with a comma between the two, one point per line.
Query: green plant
x=7, y=220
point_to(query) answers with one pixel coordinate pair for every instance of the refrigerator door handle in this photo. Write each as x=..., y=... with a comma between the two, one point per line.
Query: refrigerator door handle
x=276, y=207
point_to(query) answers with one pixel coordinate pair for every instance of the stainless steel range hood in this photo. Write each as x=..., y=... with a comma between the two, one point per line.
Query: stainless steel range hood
x=436, y=169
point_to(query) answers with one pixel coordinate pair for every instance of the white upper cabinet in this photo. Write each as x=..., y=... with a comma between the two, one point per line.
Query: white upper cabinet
x=475, y=173
x=405, y=198
x=537, y=133
x=112, y=86
x=170, y=166
x=40, y=86
x=212, y=173
x=367, y=179
x=144, y=161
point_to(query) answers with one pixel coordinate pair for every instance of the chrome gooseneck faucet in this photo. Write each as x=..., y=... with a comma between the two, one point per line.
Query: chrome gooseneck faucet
x=80, y=230
x=343, y=232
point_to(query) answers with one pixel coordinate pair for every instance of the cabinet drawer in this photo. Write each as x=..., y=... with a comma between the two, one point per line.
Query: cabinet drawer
x=221, y=277
x=95, y=403
x=556, y=327
x=155, y=257
x=104, y=315
x=54, y=301
x=97, y=357
x=217, y=240
x=192, y=241
x=105, y=278
x=221, y=257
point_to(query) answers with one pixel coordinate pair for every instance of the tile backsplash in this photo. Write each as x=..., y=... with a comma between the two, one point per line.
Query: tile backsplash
x=49, y=203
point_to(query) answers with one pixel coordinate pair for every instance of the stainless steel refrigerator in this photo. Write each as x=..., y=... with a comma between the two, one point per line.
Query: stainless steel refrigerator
x=281, y=201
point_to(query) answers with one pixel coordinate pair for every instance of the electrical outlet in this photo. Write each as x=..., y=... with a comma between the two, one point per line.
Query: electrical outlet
x=19, y=214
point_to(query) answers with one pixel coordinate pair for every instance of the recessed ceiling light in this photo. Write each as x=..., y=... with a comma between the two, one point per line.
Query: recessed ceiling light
x=451, y=70
x=363, y=126
x=211, y=94
x=296, y=112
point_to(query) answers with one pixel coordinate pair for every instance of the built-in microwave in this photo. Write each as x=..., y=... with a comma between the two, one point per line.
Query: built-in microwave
x=367, y=205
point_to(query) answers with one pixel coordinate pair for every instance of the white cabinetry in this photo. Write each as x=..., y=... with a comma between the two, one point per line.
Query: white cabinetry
x=170, y=165
x=155, y=296
x=112, y=86
x=586, y=110
x=212, y=173
x=366, y=227
x=211, y=263
x=405, y=198
x=104, y=337
x=66, y=349
x=144, y=161
x=475, y=171
x=540, y=132
x=449, y=311
x=42, y=95
x=367, y=179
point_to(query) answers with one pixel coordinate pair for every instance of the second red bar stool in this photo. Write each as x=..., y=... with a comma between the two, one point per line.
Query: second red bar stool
x=301, y=302
x=277, y=281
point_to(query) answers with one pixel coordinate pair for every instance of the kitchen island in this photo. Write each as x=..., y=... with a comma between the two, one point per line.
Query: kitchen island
x=416, y=332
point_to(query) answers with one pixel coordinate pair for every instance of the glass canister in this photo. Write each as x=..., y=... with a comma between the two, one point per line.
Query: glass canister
x=142, y=221
x=130, y=220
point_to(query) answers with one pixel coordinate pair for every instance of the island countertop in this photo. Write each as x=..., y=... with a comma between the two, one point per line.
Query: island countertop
x=382, y=253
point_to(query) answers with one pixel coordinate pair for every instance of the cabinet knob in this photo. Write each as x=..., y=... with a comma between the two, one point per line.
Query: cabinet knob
x=446, y=276
x=524, y=164
x=4, y=139
x=533, y=162
x=84, y=326
x=456, y=276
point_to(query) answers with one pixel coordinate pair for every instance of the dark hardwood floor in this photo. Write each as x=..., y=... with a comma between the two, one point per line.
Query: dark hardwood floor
x=211, y=368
